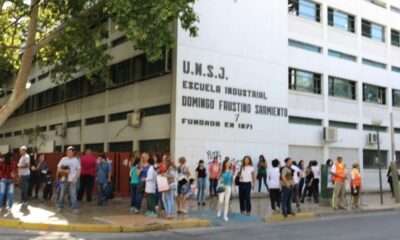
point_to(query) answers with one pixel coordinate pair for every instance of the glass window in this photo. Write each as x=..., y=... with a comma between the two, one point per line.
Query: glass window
x=378, y=3
x=120, y=147
x=157, y=110
x=395, y=69
x=118, y=41
x=371, y=160
x=95, y=120
x=304, y=81
x=72, y=124
x=373, y=63
x=339, y=19
x=342, y=88
x=305, y=46
x=337, y=124
x=373, y=30
x=118, y=116
x=372, y=128
x=374, y=94
x=17, y=133
x=95, y=147
x=305, y=9
x=395, y=9
x=160, y=145
x=341, y=55
x=305, y=121
x=395, y=37
x=396, y=97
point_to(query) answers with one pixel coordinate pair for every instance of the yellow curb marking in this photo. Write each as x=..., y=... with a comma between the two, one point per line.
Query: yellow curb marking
x=281, y=218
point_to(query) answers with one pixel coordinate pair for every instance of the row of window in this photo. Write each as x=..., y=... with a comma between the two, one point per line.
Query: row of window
x=145, y=112
x=305, y=81
x=135, y=69
x=312, y=11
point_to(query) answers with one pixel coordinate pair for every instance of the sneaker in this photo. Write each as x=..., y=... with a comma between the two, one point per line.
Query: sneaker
x=219, y=215
x=136, y=211
x=184, y=211
x=248, y=214
x=132, y=209
x=226, y=219
x=203, y=204
x=198, y=204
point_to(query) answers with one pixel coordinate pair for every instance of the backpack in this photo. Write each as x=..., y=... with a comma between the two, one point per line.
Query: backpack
x=281, y=170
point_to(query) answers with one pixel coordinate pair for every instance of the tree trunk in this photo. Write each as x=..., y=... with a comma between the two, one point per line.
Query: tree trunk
x=18, y=95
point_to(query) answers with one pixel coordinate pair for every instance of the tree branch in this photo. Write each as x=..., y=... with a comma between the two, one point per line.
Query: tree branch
x=60, y=29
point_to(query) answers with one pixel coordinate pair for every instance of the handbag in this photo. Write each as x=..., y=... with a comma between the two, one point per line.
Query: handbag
x=162, y=184
x=182, y=180
x=237, y=178
x=220, y=187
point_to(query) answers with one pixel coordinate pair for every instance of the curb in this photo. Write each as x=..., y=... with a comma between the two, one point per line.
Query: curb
x=104, y=228
x=298, y=216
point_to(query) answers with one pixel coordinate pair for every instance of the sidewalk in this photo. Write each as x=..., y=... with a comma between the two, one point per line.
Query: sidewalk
x=116, y=217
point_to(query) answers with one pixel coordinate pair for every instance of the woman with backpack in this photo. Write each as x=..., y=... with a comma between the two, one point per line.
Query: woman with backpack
x=246, y=180
x=183, y=184
x=225, y=186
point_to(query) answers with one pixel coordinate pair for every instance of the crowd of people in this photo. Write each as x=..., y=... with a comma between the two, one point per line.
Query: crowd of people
x=161, y=187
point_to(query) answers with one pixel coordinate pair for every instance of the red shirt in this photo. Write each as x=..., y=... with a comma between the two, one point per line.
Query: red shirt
x=88, y=165
x=6, y=169
x=162, y=168
x=215, y=170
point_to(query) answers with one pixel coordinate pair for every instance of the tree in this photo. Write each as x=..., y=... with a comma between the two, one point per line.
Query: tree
x=67, y=36
x=35, y=137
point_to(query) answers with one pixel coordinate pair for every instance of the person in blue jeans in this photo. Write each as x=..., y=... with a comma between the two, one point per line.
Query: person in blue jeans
x=7, y=173
x=201, y=175
x=168, y=196
x=103, y=170
x=134, y=186
x=69, y=170
x=287, y=187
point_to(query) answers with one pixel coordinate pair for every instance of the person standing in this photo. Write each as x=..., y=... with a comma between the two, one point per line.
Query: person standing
x=287, y=188
x=339, y=177
x=296, y=180
x=34, y=177
x=103, y=170
x=224, y=197
x=215, y=171
x=24, y=173
x=151, y=182
x=302, y=177
x=183, y=183
x=308, y=182
x=201, y=175
x=8, y=169
x=142, y=169
x=355, y=186
x=68, y=166
x=168, y=196
x=43, y=168
x=87, y=178
x=246, y=184
x=316, y=169
x=133, y=173
x=262, y=172
x=274, y=184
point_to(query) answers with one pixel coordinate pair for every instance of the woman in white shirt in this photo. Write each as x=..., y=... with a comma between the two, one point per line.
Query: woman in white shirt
x=246, y=184
x=274, y=184
x=316, y=169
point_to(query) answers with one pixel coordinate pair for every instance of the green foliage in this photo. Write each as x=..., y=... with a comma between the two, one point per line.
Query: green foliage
x=35, y=137
x=81, y=46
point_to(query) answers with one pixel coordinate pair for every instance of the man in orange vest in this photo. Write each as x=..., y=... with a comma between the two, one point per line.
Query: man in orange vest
x=339, y=177
x=355, y=185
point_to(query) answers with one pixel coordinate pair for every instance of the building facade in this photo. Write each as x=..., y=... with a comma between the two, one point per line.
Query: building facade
x=262, y=77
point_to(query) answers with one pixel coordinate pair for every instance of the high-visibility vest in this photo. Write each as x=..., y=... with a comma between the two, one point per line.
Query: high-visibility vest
x=340, y=171
x=356, y=182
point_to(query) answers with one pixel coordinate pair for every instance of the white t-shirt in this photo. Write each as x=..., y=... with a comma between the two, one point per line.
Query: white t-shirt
x=247, y=174
x=25, y=159
x=296, y=177
x=151, y=180
x=73, y=164
x=274, y=177
x=316, y=171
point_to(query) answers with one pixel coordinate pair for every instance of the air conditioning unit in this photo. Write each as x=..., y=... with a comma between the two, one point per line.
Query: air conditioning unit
x=330, y=134
x=372, y=138
x=134, y=119
x=60, y=130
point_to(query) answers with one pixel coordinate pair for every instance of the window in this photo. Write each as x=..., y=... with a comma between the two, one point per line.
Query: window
x=118, y=116
x=378, y=3
x=373, y=63
x=341, y=55
x=342, y=88
x=18, y=133
x=77, y=147
x=157, y=110
x=371, y=160
x=42, y=129
x=7, y=134
x=396, y=98
x=95, y=147
x=58, y=148
x=337, y=124
x=374, y=94
x=160, y=145
x=121, y=72
x=95, y=120
x=72, y=124
x=305, y=121
x=304, y=81
x=341, y=20
x=395, y=38
x=305, y=9
x=395, y=9
x=118, y=41
x=396, y=69
x=120, y=147
x=372, y=128
x=52, y=127
x=305, y=46
x=373, y=30
x=43, y=76
x=1, y=135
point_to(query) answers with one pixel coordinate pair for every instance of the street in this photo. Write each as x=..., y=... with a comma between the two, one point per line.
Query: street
x=369, y=226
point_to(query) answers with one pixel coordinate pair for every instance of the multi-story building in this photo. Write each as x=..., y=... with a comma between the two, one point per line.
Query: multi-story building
x=263, y=77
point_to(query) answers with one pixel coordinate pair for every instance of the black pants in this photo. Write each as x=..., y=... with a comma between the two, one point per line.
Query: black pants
x=261, y=179
x=315, y=189
x=86, y=185
x=244, y=196
x=34, y=183
x=391, y=186
x=301, y=185
x=213, y=187
x=48, y=192
x=275, y=197
x=307, y=191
